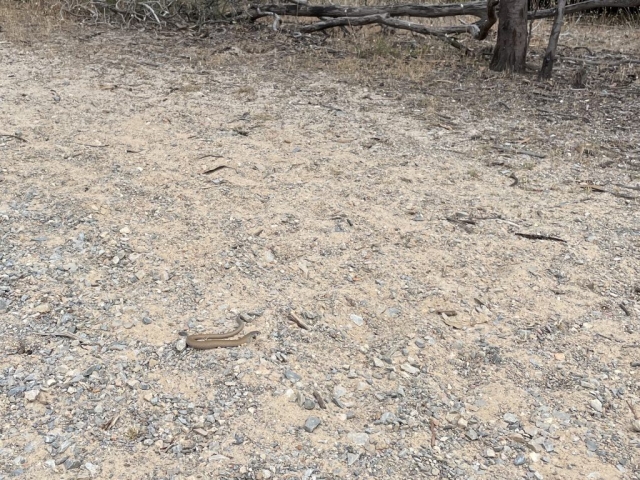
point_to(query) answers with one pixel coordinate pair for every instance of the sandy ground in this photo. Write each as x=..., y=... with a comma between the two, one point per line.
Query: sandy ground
x=363, y=194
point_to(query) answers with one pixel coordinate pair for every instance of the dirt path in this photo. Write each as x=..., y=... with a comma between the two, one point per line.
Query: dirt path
x=367, y=203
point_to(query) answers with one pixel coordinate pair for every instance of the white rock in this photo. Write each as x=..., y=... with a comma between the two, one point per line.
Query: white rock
x=181, y=345
x=596, y=405
x=359, y=439
x=409, y=369
x=31, y=395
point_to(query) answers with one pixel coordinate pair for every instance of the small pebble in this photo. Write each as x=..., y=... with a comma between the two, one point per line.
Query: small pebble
x=357, y=319
x=181, y=345
x=352, y=458
x=311, y=424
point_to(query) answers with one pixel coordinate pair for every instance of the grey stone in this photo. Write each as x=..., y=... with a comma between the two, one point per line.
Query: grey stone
x=72, y=464
x=472, y=434
x=309, y=404
x=520, y=459
x=510, y=418
x=420, y=343
x=596, y=405
x=292, y=376
x=339, y=391
x=311, y=424
x=393, y=312
x=592, y=446
x=352, y=458
x=410, y=369
x=388, y=417
x=359, y=439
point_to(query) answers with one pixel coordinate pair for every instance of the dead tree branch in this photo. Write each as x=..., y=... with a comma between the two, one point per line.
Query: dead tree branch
x=440, y=33
x=550, y=54
x=475, y=9
x=583, y=7
x=489, y=22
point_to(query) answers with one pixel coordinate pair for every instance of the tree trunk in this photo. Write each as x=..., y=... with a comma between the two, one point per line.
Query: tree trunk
x=510, y=52
x=550, y=54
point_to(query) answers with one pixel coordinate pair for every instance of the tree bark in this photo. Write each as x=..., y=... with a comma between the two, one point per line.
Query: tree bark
x=550, y=54
x=510, y=52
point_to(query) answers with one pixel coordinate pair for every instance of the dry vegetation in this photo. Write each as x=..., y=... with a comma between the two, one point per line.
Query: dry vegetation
x=375, y=179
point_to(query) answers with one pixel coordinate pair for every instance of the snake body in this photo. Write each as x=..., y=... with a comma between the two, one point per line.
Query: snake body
x=207, y=341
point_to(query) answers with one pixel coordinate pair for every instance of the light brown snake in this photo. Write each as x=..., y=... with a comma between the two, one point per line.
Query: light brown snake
x=206, y=341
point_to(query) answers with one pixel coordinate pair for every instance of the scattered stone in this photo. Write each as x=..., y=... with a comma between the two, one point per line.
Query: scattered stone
x=393, y=312
x=405, y=367
x=43, y=308
x=420, y=343
x=388, y=417
x=472, y=434
x=292, y=376
x=520, y=459
x=72, y=464
x=591, y=445
x=311, y=424
x=339, y=391
x=510, y=418
x=359, y=439
x=352, y=458
x=31, y=395
x=358, y=320
x=181, y=344
x=596, y=405
x=92, y=468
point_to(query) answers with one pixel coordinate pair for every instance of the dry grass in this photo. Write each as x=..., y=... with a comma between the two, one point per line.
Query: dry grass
x=25, y=22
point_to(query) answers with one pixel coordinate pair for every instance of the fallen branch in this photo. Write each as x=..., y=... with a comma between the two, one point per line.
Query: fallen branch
x=476, y=9
x=535, y=236
x=583, y=7
x=384, y=19
x=13, y=136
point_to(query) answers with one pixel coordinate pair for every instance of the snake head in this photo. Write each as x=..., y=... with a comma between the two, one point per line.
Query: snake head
x=253, y=335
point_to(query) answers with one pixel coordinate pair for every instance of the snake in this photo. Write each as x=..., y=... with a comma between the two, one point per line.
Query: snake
x=206, y=341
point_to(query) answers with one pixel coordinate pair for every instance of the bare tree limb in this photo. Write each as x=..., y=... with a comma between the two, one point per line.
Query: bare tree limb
x=583, y=7
x=477, y=9
x=550, y=54
x=342, y=21
x=440, y=33
x=489, y=22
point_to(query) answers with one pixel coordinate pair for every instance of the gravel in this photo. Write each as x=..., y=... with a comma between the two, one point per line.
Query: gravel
x=114, y=243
